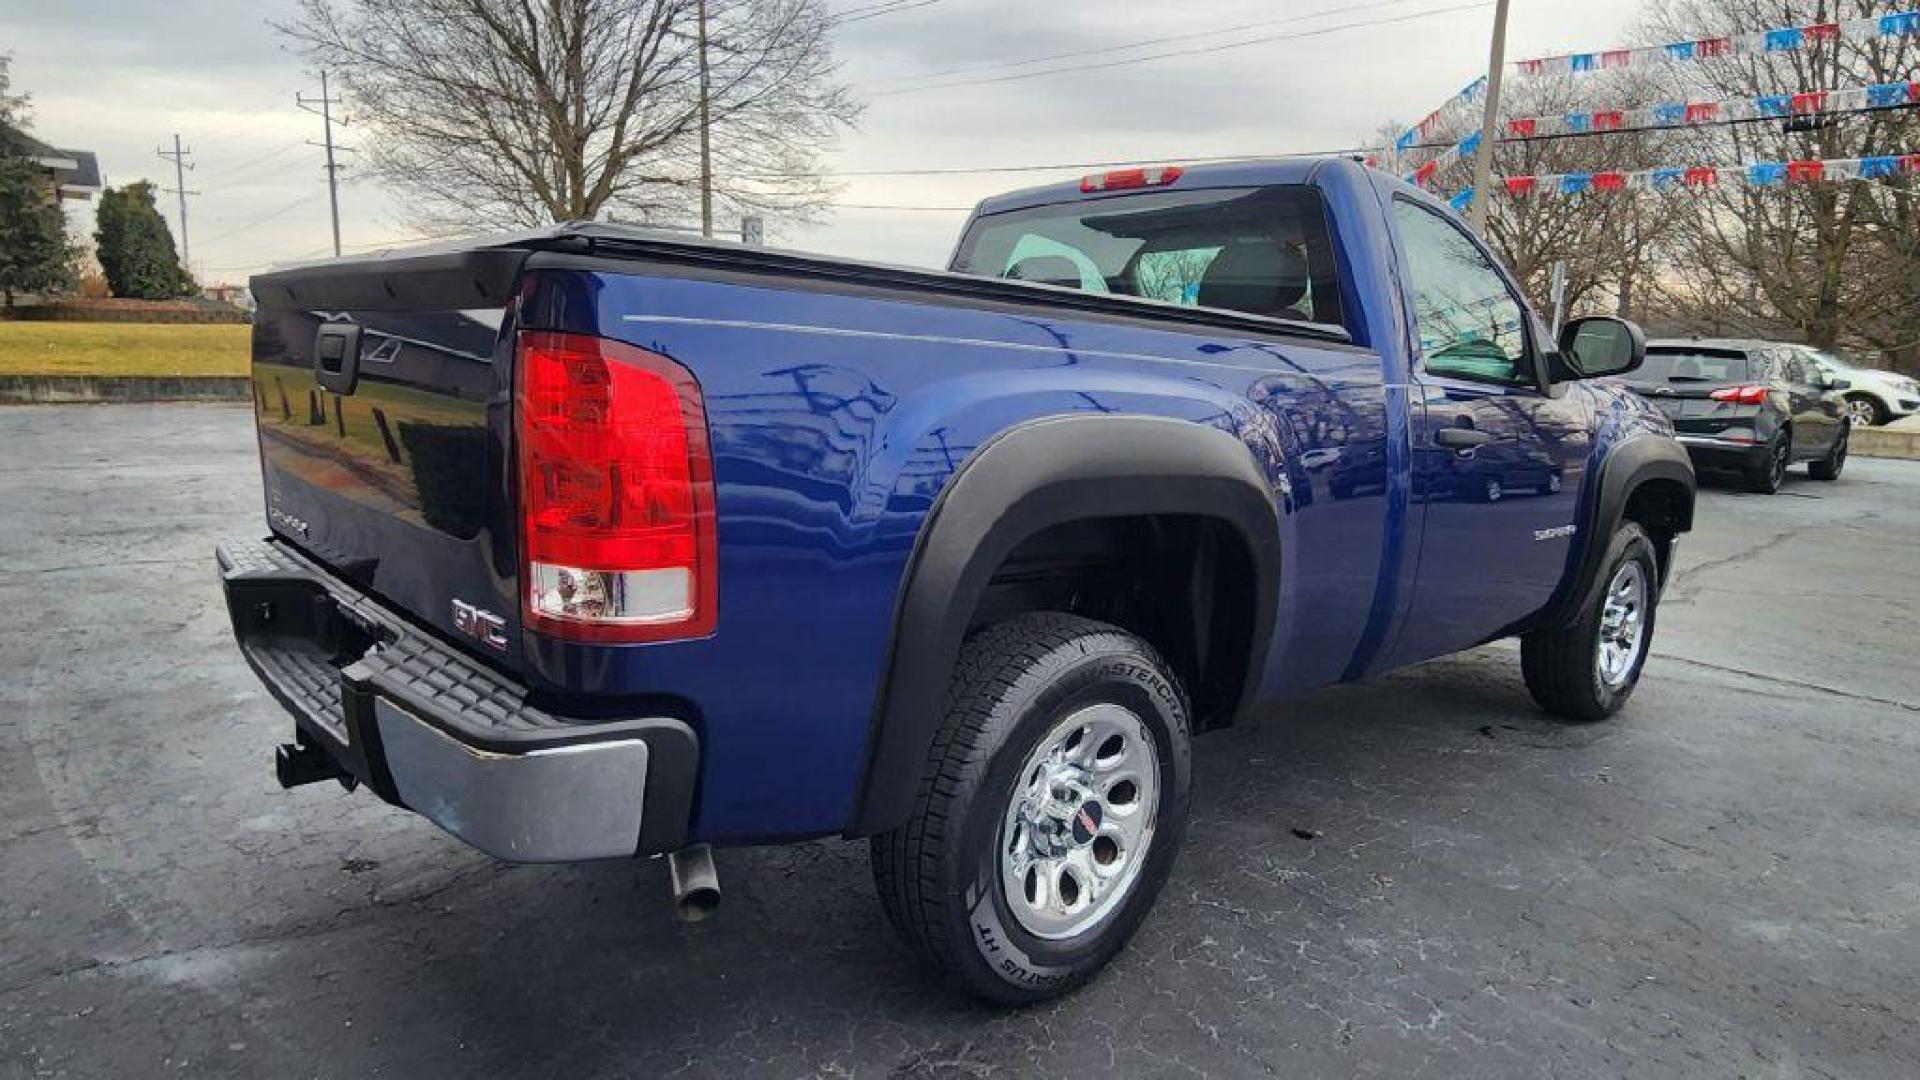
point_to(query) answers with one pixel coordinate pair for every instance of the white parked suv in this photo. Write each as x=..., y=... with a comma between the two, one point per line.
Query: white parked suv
x=1874, y=396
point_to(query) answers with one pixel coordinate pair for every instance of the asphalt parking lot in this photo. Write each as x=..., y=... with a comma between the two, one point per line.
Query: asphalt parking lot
x=1419, y=876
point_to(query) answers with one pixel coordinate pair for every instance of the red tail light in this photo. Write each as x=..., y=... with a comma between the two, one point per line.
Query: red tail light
x=616, y=492
x=1123, y=179
x=1741, y=395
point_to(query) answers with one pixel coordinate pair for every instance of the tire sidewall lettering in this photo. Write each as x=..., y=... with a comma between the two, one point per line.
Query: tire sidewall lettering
x=1008, y=950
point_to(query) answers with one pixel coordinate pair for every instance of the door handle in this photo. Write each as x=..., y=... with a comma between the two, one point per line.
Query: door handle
x=1460, y=438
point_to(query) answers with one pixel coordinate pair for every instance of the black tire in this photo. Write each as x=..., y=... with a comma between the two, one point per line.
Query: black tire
x=939, y=876
x=1767, y=478
x=1828, y=468
x=1561, y=666
x=1871, y=411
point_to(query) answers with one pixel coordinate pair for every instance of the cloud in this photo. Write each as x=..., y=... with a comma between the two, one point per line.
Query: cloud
x=120, y=77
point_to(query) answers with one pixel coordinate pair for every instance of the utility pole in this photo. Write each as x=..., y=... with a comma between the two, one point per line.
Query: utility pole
x=706, y=147
x=326, y=103
x=178, y=155
x=1489, y=118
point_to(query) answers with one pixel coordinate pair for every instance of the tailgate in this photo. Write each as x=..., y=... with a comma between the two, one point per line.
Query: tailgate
x=1692, y=408
x=382, y=394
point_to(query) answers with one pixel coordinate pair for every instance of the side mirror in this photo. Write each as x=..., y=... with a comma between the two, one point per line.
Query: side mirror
x=1600, y=345
x=1839, y=384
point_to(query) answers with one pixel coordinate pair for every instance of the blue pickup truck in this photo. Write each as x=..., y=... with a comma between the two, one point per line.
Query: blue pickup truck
x=591, y=542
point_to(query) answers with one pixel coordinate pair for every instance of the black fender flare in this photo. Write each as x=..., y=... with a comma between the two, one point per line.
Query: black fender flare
x=1625, y=469
x=1030, y=477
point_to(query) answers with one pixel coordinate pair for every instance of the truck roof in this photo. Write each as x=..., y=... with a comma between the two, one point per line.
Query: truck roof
x=1250, y=172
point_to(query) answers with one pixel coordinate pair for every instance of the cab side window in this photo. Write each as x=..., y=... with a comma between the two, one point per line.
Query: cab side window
x=1470, y=325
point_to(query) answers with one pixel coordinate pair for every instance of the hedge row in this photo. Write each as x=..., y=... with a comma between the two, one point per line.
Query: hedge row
x=129, y=311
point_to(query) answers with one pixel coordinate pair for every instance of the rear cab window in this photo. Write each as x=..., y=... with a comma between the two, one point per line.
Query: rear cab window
x=1671, y=366
x=1262, y=251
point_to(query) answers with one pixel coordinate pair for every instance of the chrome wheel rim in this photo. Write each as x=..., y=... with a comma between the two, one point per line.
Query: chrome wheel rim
x=1778, y=468
x=1080, y=821
x=1861, y=412
x=1493, y=491
x=1623, y=623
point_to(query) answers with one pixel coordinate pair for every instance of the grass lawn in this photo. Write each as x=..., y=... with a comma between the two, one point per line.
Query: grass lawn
x=75, y=348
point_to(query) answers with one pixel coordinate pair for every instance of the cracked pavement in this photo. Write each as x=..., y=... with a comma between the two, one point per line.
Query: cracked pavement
x=1416, y=876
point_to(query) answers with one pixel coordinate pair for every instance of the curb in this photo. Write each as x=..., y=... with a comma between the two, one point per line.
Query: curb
x=1886, y=443
x=66, y=389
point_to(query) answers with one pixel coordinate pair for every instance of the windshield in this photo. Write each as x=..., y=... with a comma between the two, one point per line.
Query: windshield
x=1693, y=366
x=1265, y=251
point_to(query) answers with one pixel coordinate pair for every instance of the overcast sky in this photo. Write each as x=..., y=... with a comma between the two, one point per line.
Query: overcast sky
x=118, y=77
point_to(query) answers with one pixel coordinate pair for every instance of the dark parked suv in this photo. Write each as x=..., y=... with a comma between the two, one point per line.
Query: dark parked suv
x=1751, y=406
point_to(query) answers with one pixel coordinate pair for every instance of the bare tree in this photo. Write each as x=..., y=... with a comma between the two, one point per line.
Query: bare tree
x=1814, y=259
x=1607, y=239
x=490, y=112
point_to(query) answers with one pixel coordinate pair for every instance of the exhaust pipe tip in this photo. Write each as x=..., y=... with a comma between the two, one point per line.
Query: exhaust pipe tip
x=695, y=882
x=697, y=905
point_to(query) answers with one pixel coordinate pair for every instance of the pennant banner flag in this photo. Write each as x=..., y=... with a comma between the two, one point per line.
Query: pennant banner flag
x=1678, y=114
x=1474, y=92
x=1673, y=114
x=1785, y=39
x=1759, y=174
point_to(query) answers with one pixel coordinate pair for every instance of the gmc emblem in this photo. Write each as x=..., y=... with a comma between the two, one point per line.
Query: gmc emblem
x=480, y=624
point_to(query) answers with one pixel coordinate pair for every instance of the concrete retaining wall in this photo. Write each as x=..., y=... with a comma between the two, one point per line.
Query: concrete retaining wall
x=1886, y=443
x=52, y=389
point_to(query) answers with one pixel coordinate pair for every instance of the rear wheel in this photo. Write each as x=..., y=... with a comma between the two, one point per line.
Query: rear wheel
x=1865, y=411
x=1050, y=809
x=1586, y=671
x=1828, y=468
x=1769, y=475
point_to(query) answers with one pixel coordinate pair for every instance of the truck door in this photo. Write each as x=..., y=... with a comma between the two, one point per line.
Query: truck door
x=1498, y=462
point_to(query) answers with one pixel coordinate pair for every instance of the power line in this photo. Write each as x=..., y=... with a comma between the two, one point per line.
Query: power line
x=219, y=135
x=1197, y=51
x=178, y=155
x=966, y=69
x=1348, y=151
x=885, y=206
x=266, y=217
x=1673, y=129
x=973, y=170
x=874, y=11
x=227, y=173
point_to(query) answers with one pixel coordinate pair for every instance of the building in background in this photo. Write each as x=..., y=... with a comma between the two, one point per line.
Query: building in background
x=71, y=174
x=237, y=295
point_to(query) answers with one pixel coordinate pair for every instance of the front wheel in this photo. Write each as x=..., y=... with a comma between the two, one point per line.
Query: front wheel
x=1864, y=411
x=1050, y=809
x=1587, y=671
